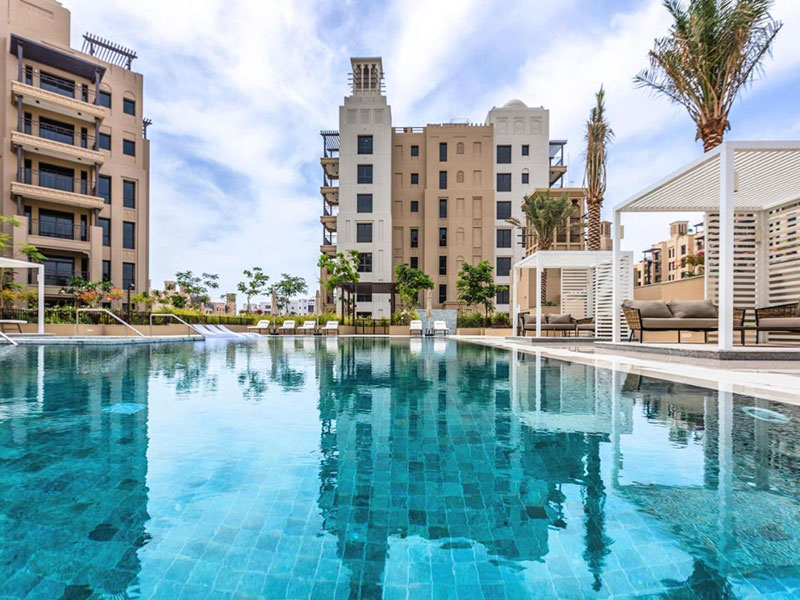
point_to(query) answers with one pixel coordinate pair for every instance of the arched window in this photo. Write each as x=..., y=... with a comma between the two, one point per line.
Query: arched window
x=460, y=148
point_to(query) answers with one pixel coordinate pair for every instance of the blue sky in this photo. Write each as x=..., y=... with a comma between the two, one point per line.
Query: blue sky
x=238, y=92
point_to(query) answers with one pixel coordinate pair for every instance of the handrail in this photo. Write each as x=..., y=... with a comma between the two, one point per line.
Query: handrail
x=108, y=312
x=177, y=318
x=8, y=339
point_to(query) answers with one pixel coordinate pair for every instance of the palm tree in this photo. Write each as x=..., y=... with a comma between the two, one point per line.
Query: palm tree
x=598, y=136
x=713, y=50
x=543, y=215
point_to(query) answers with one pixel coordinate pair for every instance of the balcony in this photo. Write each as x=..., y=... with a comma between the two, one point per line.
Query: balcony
x=54, y=187
x=328, y=245
x=330, y=193
x=59, y=235
x=556, y=173
x=56, y=141
x=329, y=222
x=331, y=167
x=55, y=94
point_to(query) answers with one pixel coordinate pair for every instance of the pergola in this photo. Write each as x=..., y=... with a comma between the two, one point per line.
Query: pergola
x=750, y=193
x=10, y=263
x=586, y=282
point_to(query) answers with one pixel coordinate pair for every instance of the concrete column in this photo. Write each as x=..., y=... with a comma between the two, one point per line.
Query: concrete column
x=19, y=114
x=20, y=77
x=40, y=327
x=538, y=296
x=95, y=252
x=615, y=277
x=512, y=297
x=726, y=211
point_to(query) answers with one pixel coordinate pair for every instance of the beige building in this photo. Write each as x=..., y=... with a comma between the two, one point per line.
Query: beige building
x=670, y=259
x=76, y=168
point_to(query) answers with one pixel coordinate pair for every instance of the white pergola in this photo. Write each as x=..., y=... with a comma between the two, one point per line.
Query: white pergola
x=10, y=263
x=585, y=273
x=735, y=180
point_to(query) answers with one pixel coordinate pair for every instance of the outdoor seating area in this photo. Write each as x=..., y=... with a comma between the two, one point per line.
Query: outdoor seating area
x=678, y=316
x=561, y=324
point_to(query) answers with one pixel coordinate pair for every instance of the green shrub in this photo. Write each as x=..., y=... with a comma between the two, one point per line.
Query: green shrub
x=470, y=320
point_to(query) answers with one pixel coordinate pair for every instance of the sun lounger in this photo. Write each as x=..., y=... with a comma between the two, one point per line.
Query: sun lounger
x=13, y=323
x=331, y=327
x=224, y=329
x=287, y=327
x=440, y=327
x=415, y=327
x=260, y=327
x=308, y=327
x=205, y=332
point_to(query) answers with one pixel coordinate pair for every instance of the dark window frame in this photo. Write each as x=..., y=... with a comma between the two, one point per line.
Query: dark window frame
x=364, y=174
x=442, y=208
x=442, y=180
x=128, y=103
x=364, y=144
x=414, y=237
x=503, y=238
x=105, y=225
x=364, y=208
x=505, y=213
x=128, y=201
x=443, y=237
x=503, y=154
x=503, y=266
x=361, y=232
x=128, y=235
x=503, y=182
x=128, y=144
x=442, y=151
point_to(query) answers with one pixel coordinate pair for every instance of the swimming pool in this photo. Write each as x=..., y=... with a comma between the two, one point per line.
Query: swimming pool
x=369, y=468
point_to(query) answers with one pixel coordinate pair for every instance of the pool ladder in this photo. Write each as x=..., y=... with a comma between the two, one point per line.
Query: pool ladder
x=108, y=312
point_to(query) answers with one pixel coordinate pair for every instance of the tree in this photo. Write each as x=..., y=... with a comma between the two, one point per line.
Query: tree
x=410, y=281
x=342, y=269
x=254, y=285
x=288, y=287
x=598, y=136
x=543, y=215
x=12, y=292
x=196, y=287
x=476, y=286
x=714, y=50
x=91, y=293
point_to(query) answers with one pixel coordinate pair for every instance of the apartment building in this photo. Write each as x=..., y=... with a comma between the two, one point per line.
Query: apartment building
x=77, y=176
x=433, y=196
x=667, y=260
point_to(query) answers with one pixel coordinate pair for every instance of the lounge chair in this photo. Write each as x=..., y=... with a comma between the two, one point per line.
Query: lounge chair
x=288, y=326
x=261, y=326
x=13, y=323
x=331, y=327
x=205, y=331
x=584, y=325
x=415, y=327
x=676, y=315
x=440, y=327
x=780, y=318
x=222, y=332
x=224, y=329
x=563, y=324
x=308, y=327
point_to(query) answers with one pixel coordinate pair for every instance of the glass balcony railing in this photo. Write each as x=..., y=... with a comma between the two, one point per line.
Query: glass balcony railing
x=58, y=133
x=59, y=228
x=56, y=181
x=59, y=85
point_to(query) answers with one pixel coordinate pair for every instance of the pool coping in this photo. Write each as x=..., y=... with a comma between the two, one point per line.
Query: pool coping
x=101, y=340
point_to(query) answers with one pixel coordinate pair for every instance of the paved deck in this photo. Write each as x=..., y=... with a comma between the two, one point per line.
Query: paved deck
x=703, y=351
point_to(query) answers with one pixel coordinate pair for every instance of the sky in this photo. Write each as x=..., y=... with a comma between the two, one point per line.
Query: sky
x=239, y=90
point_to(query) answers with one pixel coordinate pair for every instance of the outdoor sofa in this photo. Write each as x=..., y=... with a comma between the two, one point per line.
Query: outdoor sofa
x=564, y=324
x=676, y=315
x=783, y=318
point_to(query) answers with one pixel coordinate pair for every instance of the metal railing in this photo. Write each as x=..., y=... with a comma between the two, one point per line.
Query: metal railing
x=109, y=313
x=8, y=339
x=57, y=181
x=64, y=87
x=58, y=229
x=59, y=280
x=191, y=329
x=58, y=133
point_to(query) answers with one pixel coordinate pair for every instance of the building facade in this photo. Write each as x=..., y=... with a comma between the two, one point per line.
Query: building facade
x=436, y=196
x=77, y=176
x=673, y=259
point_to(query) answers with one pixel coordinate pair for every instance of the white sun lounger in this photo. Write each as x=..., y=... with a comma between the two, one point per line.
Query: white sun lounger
x=415, y=327
x=288, y=326
x=308, y=326
x=440, y=327
x=235, y=333
x=205, y=332
x=261, y=326
x=331, y=327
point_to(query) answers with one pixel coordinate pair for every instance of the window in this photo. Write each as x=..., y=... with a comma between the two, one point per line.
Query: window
x=129, y=106
x=415, y=238
x=104, y=99
x=364, y=297
x=106, y=270
x=364, y=203
x=415, y=179
x=502, y=296
x=683, y=249
x=503, y=210
x=56, y=224
x=104, y=188
x=364, y=232
x=128, y=275
x=414, y=206
x=128, y=235
x=129, y=147
x=504, y=238
x=504, y=182
x=58, y=270
x=442, y=265
x=442, y=208
x=54, y=83
x=442, y=237
x=365, y=264
x=105, y=225
x=443, y=152
x=51, y=129
x=414, y=262
x=364, y=174
x=365, y=144
x=442, y=180
x=526, y=150
x=104, y=141
x=128, y=193
x=525, y=177
x=503, y=155
x=503, y=266
x=414, y=150
x=442, y=292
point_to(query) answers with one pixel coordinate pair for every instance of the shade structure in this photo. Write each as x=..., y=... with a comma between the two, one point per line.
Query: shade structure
x=10, y=263
x=750, y=193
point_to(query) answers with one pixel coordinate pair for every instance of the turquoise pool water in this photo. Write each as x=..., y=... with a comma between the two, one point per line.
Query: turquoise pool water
x=357, y=468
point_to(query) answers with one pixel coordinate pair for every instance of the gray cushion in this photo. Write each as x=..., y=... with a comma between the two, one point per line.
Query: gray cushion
x=559, y=319
x=558, y=327
x=674, y=324
x=780, y=323
x=651, y=309
x=693, y=309
x=531, y=319
x=585, y=326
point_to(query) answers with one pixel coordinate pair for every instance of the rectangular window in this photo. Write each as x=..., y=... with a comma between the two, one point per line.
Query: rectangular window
x=364, y=203
x=365, y=262
x=415, y=238
x=503, y=210
x=364, y=232
x=503, y=266
x=104, y=99
x=56, y=224
x=364, y=297
x=442, y=265
x=128, y=276
x=504, y=182
x=54, y=83
x=104, y=141
x=414, y=206
x=414, y=262
x=526, y=150
x=443, y=292
x=106, y=270
x=56, y=177
x=502, y=296
x=128, y=193
x=504, y=238
x=57, y=131
x=129, y=147
x=442, y=180
x=105, y=225
x=442, y=237
x=414, y=150
x=129, y=106
x=503, y=155
x=128, y=235
x=104, y=188
x=58, y=270
x=442, y=208
x=365, y=144
x=525, y=177
x=443, y=152
x=415, y=179
x=364, y=174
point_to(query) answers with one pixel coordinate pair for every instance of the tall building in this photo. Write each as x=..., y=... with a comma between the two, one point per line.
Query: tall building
x=432, y=197
x=77, y=176
x=667, y=260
